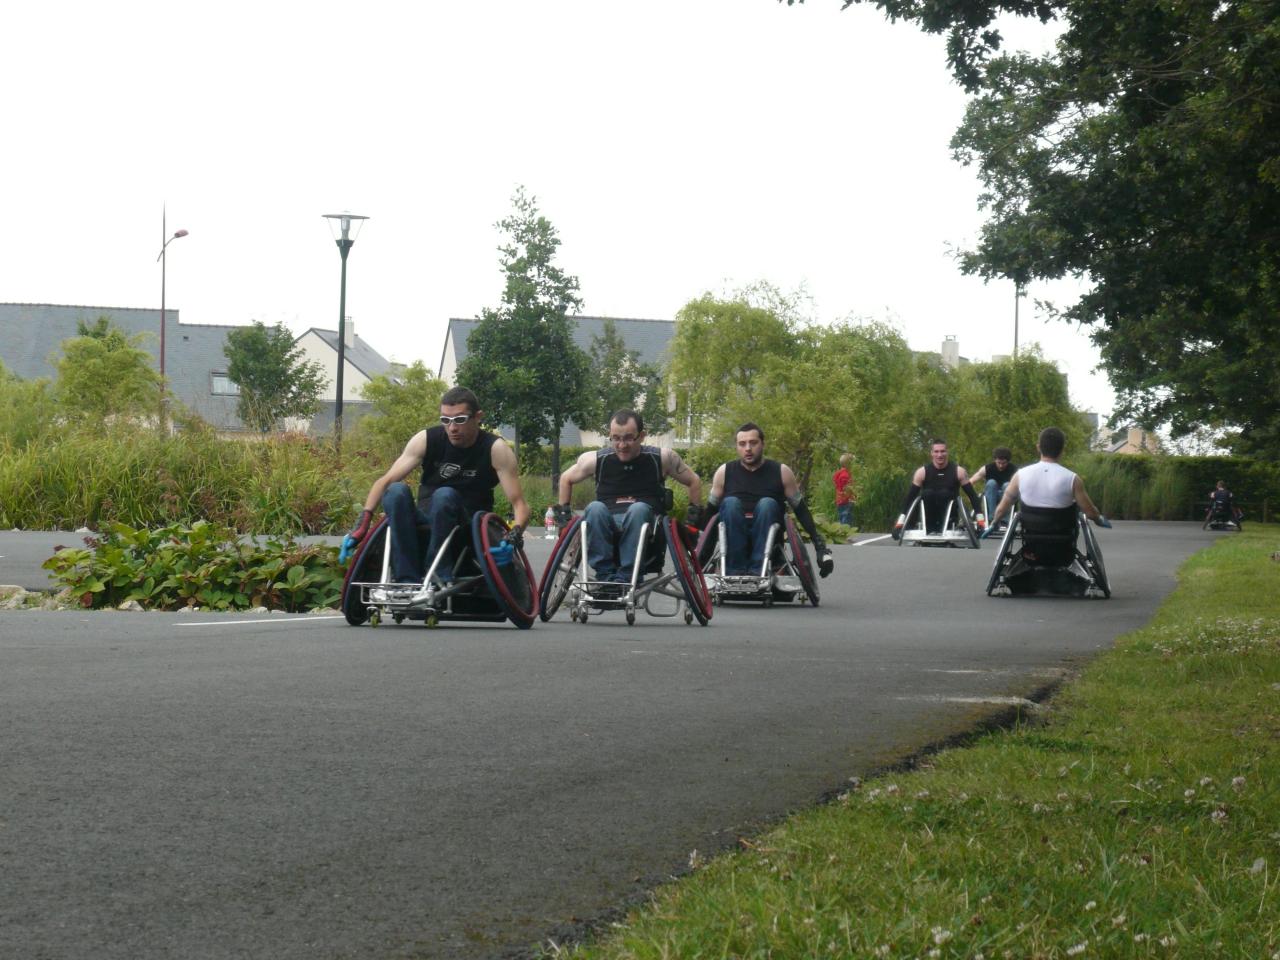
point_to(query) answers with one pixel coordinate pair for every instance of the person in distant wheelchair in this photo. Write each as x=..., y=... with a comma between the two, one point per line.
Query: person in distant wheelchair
x=1223, y=513
x=461, y=464
x=750, y=495
x=630, y=493
x=936, y=486
x=1047, y=524
x=994, y=478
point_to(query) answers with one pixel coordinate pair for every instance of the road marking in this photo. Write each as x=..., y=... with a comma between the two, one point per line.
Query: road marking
x=262, y=622
x=1002, y=701
x=863, y=543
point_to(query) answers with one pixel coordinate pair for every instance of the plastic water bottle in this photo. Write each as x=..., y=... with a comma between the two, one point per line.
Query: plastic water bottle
x=549, y=519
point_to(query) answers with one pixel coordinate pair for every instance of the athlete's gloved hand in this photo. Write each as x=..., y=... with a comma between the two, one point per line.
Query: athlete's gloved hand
x=503, y=553
x=826, y=562
x=897, y=526
x=987, y=534
x=515, y=537
x=352, y=539
x=563, y=513
x=1103, y=522
x=693, y=516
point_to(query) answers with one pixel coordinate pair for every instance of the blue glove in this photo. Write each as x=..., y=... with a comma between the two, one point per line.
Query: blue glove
x=1103, y=522
x=987, y=534
x=349, y=544
x=358, y=533
x=503, y=553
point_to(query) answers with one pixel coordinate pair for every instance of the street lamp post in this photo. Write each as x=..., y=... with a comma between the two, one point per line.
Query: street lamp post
x=340, y=224
x=162, y=259
x=1018, y=293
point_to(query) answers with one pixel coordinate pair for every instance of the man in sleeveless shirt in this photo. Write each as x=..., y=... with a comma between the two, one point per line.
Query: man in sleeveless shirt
x=994, y=477
x=461, y=464
x=749, y=494
x=1048, y=483
x=1222, y=504
x=630, y=489
x=938, y=483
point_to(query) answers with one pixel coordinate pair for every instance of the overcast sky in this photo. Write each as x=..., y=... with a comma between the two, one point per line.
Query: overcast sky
x=678, y=146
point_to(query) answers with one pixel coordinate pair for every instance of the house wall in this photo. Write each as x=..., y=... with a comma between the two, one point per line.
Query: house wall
x=353, y=379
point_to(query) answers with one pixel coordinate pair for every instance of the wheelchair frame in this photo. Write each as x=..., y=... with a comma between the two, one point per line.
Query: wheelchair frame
x=1213, y=521
x=963, y=534
x=567, y=577
x=785, y=574
x=463, y=598
x=1086, y=565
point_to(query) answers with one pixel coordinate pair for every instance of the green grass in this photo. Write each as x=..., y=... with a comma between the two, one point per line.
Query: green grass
x=1140, y=818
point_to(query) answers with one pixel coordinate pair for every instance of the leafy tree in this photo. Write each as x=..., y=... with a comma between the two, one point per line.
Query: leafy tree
x=402, y=406
x=104, y=374
x=27, y=409
x=274, y=380
x=521, y=359
x=623, y=382
x=1141, y=155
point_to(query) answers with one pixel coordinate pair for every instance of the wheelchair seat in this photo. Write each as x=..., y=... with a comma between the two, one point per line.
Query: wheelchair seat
x=1040, y=554
x=1049, y=535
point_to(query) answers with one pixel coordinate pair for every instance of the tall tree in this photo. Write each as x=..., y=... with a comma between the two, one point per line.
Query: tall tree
x=275, y=381
x=104, y=373
x=1141, y=155
x=623, y=382
x=521, y=359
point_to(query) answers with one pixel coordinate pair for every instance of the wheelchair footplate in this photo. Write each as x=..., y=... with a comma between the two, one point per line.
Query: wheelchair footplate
x=596, y=596
x=430, y=601
x=953, y=537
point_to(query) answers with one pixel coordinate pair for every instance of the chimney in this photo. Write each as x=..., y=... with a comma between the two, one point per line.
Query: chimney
x=349, y=333
x=950, y=353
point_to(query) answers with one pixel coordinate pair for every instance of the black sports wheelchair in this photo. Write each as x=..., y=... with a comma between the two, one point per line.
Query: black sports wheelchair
x=485, y=587
x=785, y=576
x=567, y=579
x=957, y=527
x=1041, y=554
x=1222, y=515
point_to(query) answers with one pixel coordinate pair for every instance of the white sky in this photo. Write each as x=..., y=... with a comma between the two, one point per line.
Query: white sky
x=678, y=146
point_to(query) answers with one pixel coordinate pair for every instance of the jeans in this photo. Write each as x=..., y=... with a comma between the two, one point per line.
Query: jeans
x=614, y=538
x=445, y=511
x=745, y=537
x=844, y=514
x=992, y=493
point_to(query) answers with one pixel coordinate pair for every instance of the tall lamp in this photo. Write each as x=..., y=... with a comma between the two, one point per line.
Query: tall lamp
x=340, y=225
x=162, y=259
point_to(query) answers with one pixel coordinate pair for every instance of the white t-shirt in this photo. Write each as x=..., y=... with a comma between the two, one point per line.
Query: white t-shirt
x=1046, y=485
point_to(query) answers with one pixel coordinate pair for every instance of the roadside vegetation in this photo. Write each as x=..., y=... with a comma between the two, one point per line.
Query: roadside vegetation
x=1136, y=816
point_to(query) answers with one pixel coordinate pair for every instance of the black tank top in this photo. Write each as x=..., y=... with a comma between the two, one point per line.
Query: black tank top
x=469, y=470
x=995, y=473
x=618, y=484
x=944, y=479
x=750, y=485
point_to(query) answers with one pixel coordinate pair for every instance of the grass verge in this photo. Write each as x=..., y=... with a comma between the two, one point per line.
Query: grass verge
x=1140, y=818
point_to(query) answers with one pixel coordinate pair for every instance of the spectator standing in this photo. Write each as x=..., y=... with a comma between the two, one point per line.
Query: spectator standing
x=844, y=491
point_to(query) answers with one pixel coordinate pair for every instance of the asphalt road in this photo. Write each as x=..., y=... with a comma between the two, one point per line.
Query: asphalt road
x=219, y=786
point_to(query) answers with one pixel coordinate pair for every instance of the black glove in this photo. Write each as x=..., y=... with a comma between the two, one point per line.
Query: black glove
x=515, y=537
x=826, y=562
x=693, y=516
x=563, y=514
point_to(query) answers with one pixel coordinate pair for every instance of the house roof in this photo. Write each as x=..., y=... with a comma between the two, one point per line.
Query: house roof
x=649, y=338
x=360, y=355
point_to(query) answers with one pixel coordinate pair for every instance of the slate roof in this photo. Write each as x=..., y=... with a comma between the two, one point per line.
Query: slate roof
x=360, y=355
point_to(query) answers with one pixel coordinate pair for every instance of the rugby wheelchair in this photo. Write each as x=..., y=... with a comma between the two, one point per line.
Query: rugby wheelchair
x=486, y=586
x=1222, y=516
x=786, y=575
x=958, y=527
x=1041, y=554
x=567, y=579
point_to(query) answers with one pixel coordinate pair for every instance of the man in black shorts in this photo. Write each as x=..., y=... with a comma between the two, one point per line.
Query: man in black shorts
x=461, y=464
x=938, y=483
x=994, y=477
x=749, y=494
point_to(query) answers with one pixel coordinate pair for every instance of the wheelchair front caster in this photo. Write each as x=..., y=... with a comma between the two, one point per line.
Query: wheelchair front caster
x=431, y=621
x=375, y=617
x=631, y=616
x=688, y=617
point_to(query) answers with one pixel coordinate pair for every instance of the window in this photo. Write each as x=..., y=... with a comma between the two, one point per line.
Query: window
x=222, y=386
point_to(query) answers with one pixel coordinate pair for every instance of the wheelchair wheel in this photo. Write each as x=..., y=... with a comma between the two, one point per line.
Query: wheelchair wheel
x=966, y=520
x=800, y=560
x=1093, y=560
x=708, y=538
x=365, y=566
x=906, y=519
x=512, y=585
x=1006, y=545
x=685, y=560
x=562, y=567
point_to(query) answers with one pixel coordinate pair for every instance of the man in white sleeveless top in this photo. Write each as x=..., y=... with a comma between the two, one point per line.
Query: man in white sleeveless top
x=1047, y=483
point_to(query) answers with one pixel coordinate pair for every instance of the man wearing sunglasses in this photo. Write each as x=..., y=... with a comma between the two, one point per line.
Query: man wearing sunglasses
x=461, y=464
x=749, y=494
x=630, y=491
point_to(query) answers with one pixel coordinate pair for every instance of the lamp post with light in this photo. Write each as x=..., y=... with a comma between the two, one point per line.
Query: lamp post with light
x=340, y=224
x=162, y=259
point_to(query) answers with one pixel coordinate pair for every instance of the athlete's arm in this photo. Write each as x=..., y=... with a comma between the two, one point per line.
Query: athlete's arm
x=505, y=466
x=980, y=476
x=409, y=459
x=582, y=469
x=717, y=488
x=681, y=472
x=1083, y=501
x=1006, y=502
x=917, y=485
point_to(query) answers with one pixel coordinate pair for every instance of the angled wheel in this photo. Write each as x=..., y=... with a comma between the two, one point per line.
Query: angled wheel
x=365, y=567
x=800, y=560
x=562, y=567
x=512, y=585
x=1093, y=560
x=708, y=539
x=966, y=520
x=917, y=503
x=685, y=560
x=1006, y=545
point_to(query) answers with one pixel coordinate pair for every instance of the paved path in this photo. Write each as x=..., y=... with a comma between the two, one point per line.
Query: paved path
x=216, y=786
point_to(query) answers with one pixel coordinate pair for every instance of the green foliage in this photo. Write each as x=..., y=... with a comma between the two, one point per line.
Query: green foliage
x=402, y=406
x=105, y=375
x=275, y=381
x=203, y=565
x=521, y=359
x=1175, y=488
x=28, y=410
x=622, y=382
